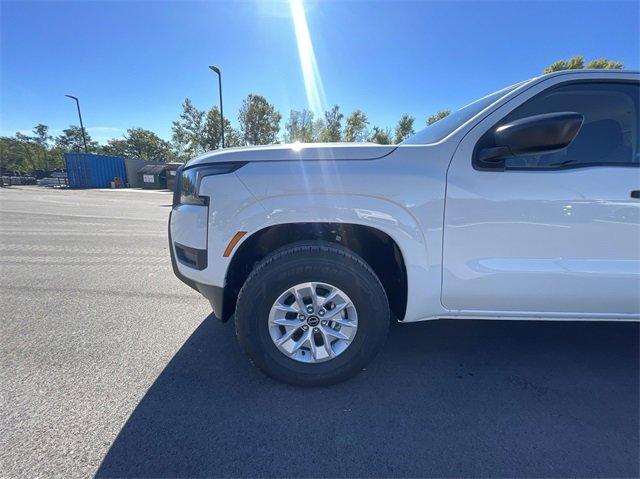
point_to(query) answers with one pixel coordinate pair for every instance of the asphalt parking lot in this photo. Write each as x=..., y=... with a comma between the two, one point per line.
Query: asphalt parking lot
x=108, y=367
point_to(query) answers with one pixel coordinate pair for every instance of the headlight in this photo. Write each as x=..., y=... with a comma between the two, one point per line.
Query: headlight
x=188, y=186
x=188, y=182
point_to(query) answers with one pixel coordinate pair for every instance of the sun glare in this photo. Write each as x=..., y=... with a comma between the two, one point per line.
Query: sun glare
x=312, y=81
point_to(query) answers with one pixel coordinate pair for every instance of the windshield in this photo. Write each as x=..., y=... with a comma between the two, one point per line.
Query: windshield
x=441, y=128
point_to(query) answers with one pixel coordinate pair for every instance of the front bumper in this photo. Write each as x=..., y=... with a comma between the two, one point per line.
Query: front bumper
x=214, y=294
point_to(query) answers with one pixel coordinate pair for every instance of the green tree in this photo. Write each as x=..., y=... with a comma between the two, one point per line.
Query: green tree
x=140, y=144
x=301, y=127
x=188, y=132
x=380, y=136
x=573, y=63
x=25, y=153
x=41, y=136
x=115, y=147
x=605, y=64
x=404, y=128
x=232, y=138
x=356, y=127
x=41, y=139
x=332, y=128
x=71, y=140
x=259, y=121
x=29, y=151
x=56, y=158
x=53, y=156
x=146, y=145
x=15, y=155
x=438, y=116
x=37, y=146
x=212, y=138
x=577, y=63
x=318, y=130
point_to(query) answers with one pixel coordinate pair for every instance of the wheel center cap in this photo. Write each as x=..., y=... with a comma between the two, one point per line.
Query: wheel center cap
x=313, y=321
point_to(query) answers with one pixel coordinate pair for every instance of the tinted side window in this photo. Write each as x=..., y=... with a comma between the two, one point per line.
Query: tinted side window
x=609, y=134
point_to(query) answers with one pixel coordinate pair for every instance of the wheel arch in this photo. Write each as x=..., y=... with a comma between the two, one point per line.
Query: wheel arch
x=377, y=247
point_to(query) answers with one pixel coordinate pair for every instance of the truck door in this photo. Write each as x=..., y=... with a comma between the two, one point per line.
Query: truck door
x=556, y=234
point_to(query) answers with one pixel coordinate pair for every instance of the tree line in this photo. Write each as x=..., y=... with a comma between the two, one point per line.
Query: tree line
x=197, y=131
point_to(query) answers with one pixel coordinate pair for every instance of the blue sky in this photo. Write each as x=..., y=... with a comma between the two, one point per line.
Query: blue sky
x=133, y=63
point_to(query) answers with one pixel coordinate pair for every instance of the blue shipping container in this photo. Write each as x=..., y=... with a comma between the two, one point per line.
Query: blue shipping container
x=93, y=171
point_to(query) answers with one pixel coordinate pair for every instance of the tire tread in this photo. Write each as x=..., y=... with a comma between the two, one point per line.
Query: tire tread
x=334, y=253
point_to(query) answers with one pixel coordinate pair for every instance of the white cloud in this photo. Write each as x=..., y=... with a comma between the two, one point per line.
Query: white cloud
x=102, y=134
x=104, y=130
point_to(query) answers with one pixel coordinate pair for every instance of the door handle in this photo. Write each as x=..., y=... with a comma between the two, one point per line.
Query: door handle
x=635, y=194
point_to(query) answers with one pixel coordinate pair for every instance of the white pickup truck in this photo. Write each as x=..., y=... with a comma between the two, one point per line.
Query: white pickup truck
x=524, y=204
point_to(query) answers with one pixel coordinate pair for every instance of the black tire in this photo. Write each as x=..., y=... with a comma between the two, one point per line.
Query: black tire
x=306, y=262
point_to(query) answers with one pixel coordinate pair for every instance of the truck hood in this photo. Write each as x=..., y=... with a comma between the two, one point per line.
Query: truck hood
x=295, y=152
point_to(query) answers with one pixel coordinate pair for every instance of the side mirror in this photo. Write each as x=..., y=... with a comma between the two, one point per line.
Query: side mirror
x=534, y=134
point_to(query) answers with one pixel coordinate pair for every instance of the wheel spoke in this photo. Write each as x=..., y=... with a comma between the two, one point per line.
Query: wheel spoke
x=298, y=337
x=345, y=322
x=299, y=298
x=327, y=346
x=328, y=298
x=285, y=337
x=327, y=343
x=327, y=331
x=314, y=348
x=320, y=353
x=314, y=296
x=293, y=308
x=288, y=323
x=336, y=311
x=300, y=342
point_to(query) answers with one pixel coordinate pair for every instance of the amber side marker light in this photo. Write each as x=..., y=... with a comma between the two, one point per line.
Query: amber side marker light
x=234, y=241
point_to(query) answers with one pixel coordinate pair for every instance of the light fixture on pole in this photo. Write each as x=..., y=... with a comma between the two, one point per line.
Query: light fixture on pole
x=84, y=138
x=217, y=71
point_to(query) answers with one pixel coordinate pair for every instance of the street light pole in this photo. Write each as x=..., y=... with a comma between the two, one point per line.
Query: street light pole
x=217, y=71
x=84, y=138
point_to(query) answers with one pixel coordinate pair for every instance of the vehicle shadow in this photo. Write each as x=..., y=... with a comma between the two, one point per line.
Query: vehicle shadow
x=445, y=398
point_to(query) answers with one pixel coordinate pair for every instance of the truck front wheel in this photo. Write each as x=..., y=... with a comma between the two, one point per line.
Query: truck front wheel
x=312, y=314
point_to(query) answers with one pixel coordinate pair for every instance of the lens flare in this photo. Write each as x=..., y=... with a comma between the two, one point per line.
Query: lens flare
x=312, y=81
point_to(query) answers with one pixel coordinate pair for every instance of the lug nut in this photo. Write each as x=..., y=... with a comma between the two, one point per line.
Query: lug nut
x=301, y=316
x=315, y=330
x=305, y=327
x=309, y=309
x=324, y=323
x=321, y=312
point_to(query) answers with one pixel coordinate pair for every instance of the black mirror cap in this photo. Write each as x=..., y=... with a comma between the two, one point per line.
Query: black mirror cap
x=539, y=133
